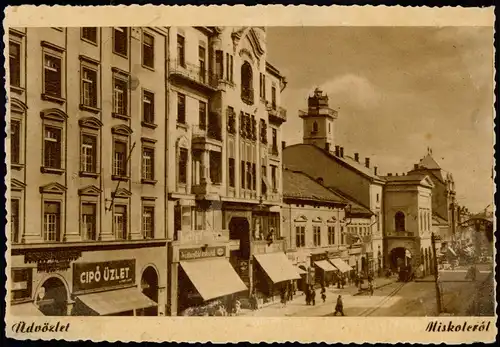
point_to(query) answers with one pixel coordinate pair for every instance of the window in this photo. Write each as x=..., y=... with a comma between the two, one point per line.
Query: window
x=275, y=141
x=315, y=127
x=274, y=178
x=15, y=63
x=378, y=197
x=148, y=222
x=219, y=64
x=231, y=120
x=227, y=67
x=89, y=34
x=89, y=87
x=263, y=131
x=15, y=141
x=317, y=235
x=14, y=220
x=181, y=108
x=51, y=221
x=148, y=160
x=254, y=177
x=273, y=97
x=203, y=115
x=231, y=69
x=148, y=50
x=183, y=163
x=242, y=174
x=148, y=107
x=263, y=86
x=120, y=40
x=378, y=221
x=231, y=167
x=52, y=147
x=215, y=159
x=399, y=221
x=202, y=62
x=52, y=75
x=181, y=57
x=247, y=83
x=89, y=221
x=120, y=159
x=120, y=222
x=22, y=282
x=300, y=236
x=331, y=235
x=120, y=97
x=249, y=175
x=88, y=159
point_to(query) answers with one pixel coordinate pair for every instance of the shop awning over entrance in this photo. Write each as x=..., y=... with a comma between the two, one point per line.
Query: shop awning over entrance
x=325, y=265
x=26, y=309
x=301, y=271
x=341, y=265
x=213, y=278
x=278, y=267
x=116, y=301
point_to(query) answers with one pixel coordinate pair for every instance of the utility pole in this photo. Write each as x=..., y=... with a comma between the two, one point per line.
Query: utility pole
x=436, y=274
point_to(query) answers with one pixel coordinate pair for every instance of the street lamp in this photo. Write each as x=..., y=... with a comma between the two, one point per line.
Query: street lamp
x=436, y=274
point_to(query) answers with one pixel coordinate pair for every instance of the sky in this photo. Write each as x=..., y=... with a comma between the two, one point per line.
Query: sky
x=398, y=91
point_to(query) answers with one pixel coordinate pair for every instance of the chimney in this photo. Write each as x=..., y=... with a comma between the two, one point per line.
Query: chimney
x=375, y=170
x=327, y=146
x=389, y=174
x=367, y=162
x=337, y=151
x=415, y=166
x=356, y=157
x=283, y=144
x=342, y=152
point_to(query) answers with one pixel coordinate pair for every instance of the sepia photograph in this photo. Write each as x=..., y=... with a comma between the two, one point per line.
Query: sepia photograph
x=328, y=171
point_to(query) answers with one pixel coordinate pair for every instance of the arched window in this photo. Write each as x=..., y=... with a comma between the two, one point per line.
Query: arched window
x=315, y=127
x=247, y=83
x=399, y=221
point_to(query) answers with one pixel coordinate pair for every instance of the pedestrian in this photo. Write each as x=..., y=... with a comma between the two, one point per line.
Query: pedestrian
x=253, y=301
x=343, y=281
x=290, y=291
x=283, y=296
x=313, y=296
x=370, y=287
x=339, y=307
x=323, y=294
x=308, y=296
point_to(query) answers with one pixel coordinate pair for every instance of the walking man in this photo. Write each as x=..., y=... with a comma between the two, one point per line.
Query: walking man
x=313, y=296
x=339, y=307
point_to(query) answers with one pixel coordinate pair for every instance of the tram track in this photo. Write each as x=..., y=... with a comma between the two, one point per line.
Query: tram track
x=372, y=310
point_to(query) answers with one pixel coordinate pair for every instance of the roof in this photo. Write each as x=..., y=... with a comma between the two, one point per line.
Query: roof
x=346, y=161
x=438, y=219
x=298, y=185
x=428, y=162
x=356, y=207
x=412, y=178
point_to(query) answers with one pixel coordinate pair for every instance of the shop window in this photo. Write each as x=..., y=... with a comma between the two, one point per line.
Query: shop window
x=88, y=158
x=202, y=115
x=331, y=235
x=317, y=235
x=148, y=107
x=247, y=83
x=15, y=63
x=120, y=41
x=120, y=95
x=14, y=220
x=199, y=219
x=232, y=172
x=148, y=50
x=215, y=167
x=21, y=284
x=219, y=64
x=399, y=221
x=89, y=221
x=89, y=34
x=181, y=51
x=52, y=221
x=183, y=164
x=181, y=108
x=148, y=161
x=89, y=87
x=119, y=158
x=52, y=75
x=120, y=222
x=300, y=236
x=52, y=147
x=148, y=222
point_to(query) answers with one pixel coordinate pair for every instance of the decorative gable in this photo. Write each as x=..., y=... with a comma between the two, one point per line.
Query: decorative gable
x=18, y=106
x=300, y=219
x=16, y=185
x=122, y=193
x=90, y=122
x=332, y=220
x=122, y=129
x=54, y=114
x=53, y=188
x=317, y=220
x=427, y=182
x=89, y=190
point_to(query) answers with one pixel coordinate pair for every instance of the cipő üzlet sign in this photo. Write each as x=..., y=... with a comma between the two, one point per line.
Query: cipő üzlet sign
x=197, y=253
x=103, y=274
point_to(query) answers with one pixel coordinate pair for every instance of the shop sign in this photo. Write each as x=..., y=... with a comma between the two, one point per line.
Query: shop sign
x=262, y=248
x=87, y=276
x=333, y=254
x=198, y=253
x=317, y=257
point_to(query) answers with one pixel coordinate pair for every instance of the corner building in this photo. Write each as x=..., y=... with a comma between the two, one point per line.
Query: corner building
x=224, y=155
x=87, y=171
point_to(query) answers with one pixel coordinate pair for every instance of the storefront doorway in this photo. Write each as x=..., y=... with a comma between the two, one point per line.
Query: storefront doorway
x=149, y=286
x=400, y=258
x=52, y=298
x=239, y=229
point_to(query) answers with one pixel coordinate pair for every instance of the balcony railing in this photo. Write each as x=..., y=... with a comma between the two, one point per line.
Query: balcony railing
x=194, y=74
x=210, y=131
x=247, y=95
x=202, y=236
x=394, y=233
x=273, y=150
x=276, y=114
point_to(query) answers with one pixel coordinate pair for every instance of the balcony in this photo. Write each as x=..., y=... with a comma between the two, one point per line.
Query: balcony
x=247, y=95
x=273, y=150
x=400, y=234
x=276, y=114
x=261, y=246
x=202, y=237
x=207, y=191
x=207, y=137
x=193, y=75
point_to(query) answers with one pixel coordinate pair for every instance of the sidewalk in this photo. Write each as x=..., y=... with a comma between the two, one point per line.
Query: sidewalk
x=298, y=303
